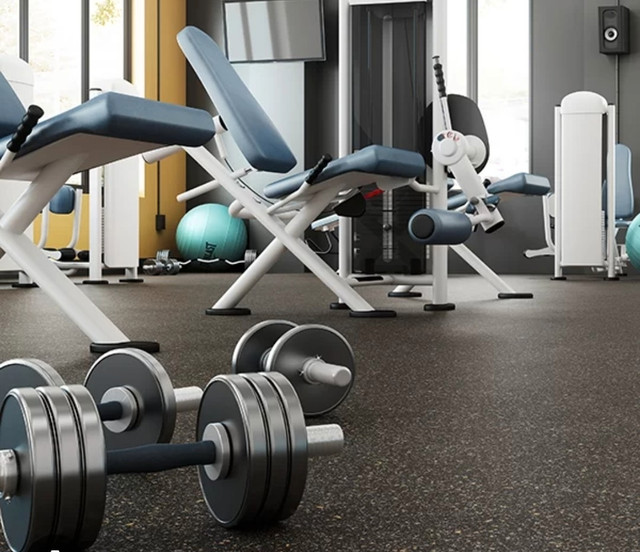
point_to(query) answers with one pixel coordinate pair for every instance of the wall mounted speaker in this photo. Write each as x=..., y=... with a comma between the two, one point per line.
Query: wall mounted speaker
x=613, y=26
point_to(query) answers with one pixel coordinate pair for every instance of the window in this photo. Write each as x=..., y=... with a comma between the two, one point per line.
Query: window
x=9, y=23
x=59, y=36
x=457, y=45
x=503, y=83
x=54, y=53
x=71, y=45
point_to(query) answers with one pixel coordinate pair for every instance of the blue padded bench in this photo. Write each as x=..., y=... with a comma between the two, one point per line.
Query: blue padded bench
x=520, y=183
x=111, y=115
x=105, y=129
x=377, y=160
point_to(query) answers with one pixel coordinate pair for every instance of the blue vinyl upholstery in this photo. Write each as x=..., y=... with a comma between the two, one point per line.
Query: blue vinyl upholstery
x=624, y=187
x=521, y=183
x=256, y=136
x=126, y=117
x=378, y=160
x=439, y=227
x=12, y=109
x=64, y=202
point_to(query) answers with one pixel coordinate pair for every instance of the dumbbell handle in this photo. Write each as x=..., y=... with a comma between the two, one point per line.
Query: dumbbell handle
x=187, y=400
x=316, y=370
x=161, y=457
x=322, y=440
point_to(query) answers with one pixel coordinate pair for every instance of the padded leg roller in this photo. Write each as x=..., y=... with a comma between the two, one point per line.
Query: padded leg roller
x=515, y=295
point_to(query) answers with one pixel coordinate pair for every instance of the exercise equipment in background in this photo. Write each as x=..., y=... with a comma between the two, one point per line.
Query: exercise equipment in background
x=19, y=76
x=161, y=265
x=289, y=205
x=209, y=232
x=252, y=451
x=317, y=360
x=587, y=216
x=624, y=210
x=383, y=99
x=68, y=201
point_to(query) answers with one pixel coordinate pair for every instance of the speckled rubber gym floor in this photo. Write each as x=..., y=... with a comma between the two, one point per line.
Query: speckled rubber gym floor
x=503, y=425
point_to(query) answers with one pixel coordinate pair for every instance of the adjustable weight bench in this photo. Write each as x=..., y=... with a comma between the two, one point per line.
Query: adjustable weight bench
x=293, y=202
x=107, y=128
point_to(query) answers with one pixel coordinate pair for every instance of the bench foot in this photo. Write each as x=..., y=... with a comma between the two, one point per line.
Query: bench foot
x=404, y=294
x=235, y=311
x=515, y=295
x=373, y=314
x=439, y=307
x=148, y=346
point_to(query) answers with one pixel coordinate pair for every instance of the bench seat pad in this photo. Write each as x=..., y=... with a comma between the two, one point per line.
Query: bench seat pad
x=125, y=117
x=375, y=160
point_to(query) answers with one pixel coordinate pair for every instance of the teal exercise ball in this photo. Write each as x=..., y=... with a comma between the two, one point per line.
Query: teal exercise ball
x=209, y=232
x=632, y=242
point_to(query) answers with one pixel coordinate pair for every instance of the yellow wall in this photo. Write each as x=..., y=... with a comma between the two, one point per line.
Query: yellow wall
x=147, y=45
x=171, y=171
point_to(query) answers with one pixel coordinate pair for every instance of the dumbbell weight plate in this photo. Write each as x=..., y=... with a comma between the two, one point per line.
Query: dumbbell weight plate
x=236, y=499
x=70, y=463
x=289, y=354
x=279, y=449
x=28, y=518
x=27, y=372
x=141, y=373
x=247, y=356
x=92, y=445
x=297, y=442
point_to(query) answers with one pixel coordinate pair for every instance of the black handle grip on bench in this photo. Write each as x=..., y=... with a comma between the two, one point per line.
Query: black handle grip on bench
x=439, y=74
x=25, y=127
x=320, y=166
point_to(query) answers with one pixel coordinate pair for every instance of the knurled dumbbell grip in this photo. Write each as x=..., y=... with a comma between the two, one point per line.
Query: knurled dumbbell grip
x=110, y=411
x=160, y=457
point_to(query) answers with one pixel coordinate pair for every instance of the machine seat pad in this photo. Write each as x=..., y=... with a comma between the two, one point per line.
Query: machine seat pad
x=521, y=183
x=375, y=160
x=125, y=117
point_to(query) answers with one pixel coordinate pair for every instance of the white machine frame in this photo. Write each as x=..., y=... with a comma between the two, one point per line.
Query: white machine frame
x=582, y=238
x=286, y=220
x=438, y=279
x=20, y=76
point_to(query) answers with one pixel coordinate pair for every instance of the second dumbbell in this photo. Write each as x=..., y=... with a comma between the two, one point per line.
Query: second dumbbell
x=316, y=359
x=136, y=400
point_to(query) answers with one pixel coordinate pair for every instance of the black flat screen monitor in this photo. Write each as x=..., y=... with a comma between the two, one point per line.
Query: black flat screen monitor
x=274, y=30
